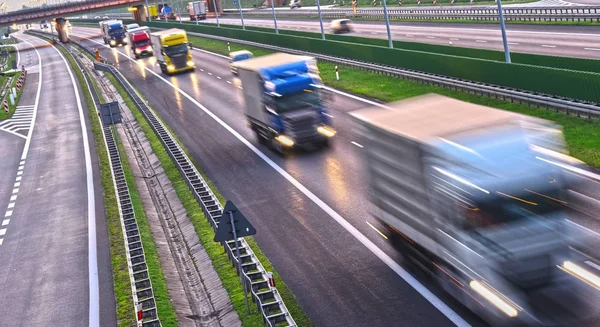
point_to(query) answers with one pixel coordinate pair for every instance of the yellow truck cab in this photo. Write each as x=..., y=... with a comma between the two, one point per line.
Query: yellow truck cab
x=172, y=51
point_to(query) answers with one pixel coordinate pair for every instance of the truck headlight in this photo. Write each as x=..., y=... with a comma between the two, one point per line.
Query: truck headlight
x=113, y=42
x=285, y=140
x=581, y=273
x=190, y=63
x=137, y=51
x=170, y=68
x=493, y=298
x=326, y=131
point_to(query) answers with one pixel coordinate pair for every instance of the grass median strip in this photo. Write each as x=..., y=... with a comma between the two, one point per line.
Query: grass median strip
x=582, y=135
x=219, y=258
x=122, y=285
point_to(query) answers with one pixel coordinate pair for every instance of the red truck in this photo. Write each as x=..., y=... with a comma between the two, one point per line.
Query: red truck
x=139, y=39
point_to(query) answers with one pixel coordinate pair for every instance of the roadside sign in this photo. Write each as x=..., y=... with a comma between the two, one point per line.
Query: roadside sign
x=242, y=226
x=232, y=225
x=110, y=113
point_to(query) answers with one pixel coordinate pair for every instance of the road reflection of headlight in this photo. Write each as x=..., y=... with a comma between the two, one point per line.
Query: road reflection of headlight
x=326, y=131
x=493, y=298
x=581, y=273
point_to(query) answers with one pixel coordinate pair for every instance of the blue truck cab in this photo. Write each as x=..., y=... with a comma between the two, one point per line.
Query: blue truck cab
x=285, y=101
x=113, y=32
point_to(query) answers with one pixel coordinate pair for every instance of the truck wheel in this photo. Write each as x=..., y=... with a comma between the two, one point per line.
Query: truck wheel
x=326, y=143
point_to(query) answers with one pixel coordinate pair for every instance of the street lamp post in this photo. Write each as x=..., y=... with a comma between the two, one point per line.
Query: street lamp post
x=387, y=23
x=320, y=20
x=216, y=12
x=503, y=28
x=274, y=17
x=239, y=2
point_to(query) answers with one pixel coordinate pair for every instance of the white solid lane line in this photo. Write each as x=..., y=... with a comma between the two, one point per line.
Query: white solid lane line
x=36, y=103
x=94, y=289
x=548, y=46
x=591, y=49
x=481, y=41
x=391, y=263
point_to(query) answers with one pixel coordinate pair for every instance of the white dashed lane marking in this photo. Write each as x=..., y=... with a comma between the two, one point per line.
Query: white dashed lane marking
x=357, y=144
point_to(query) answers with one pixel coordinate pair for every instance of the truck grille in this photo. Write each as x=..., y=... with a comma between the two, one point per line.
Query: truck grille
x=528, y=272
x=301, y=125
x=179, y=60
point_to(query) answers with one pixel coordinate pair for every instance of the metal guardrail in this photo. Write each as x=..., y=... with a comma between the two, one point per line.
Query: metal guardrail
x=141, y=285
x=267, y=298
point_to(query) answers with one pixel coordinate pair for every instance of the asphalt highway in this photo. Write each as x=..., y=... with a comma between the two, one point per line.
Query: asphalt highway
x=310, y=209
x=570, y=41
x=54, y=255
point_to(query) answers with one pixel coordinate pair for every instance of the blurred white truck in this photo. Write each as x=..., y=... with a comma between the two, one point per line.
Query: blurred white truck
x=466, y=193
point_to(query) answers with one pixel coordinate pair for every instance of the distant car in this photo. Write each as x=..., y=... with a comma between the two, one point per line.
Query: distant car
x=84, y=16
x=295, y=4
x=96, y=17
x=341, y=26
x=104, y=17
x=238, y=56
x=68, y=24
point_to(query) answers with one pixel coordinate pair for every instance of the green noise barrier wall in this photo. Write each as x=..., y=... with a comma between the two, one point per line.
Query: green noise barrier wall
x=580, y=85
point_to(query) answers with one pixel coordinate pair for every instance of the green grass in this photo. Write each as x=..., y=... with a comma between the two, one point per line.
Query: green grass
x=215, y=251
x=122, y=285
x=11, y=107
x=582, y=136
x=164, y=306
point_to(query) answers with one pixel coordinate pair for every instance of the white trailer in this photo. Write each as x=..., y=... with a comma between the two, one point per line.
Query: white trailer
x=197, y=10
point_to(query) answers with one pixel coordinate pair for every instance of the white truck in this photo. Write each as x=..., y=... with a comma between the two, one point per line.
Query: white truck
x=197, y=10
x=466, y=193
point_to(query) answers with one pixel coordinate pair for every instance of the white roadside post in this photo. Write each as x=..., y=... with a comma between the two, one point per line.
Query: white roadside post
x=503, y=28
x=337, y=74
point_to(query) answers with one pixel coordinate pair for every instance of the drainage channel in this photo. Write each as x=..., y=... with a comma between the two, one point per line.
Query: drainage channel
x=141, y=285
x=267, y=299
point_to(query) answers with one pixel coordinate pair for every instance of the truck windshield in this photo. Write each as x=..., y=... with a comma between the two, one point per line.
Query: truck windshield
x=142, y=43
x=176, y=49
x=114, y=31
x=306, y=98
x=506, y=208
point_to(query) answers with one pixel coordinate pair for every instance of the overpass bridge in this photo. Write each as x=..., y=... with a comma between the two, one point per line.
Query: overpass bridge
x=70, y=8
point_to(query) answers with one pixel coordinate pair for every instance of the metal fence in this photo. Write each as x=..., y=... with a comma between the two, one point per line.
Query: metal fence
x=558, y=13
x=267, y=299
x=141, y=285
